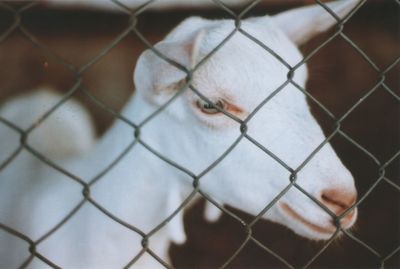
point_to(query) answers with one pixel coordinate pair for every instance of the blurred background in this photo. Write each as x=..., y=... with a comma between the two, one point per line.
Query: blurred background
x=339, y=77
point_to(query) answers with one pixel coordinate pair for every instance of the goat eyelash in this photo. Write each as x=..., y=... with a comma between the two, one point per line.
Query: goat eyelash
x=211, y=108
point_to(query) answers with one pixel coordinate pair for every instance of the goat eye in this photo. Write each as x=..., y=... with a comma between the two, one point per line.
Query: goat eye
x=210, y=108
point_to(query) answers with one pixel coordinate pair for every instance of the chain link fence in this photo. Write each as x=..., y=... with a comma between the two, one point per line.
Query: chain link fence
x=247, y=226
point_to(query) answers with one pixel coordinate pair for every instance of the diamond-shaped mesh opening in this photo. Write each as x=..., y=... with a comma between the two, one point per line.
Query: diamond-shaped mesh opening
x=133, y=181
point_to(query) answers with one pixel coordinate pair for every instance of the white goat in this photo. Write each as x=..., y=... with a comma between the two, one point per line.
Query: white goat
x=143, y=190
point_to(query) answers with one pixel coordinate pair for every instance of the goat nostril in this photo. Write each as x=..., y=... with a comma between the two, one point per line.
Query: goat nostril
x=338, y=200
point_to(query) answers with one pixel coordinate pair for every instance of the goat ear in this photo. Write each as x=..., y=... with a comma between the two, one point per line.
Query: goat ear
x=155, y=77
x=301, y=24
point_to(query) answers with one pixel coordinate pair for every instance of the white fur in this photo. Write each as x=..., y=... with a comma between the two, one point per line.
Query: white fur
x=143, y=190
x=71, y=121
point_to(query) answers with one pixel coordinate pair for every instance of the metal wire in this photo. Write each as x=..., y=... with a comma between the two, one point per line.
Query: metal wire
x=18, y=26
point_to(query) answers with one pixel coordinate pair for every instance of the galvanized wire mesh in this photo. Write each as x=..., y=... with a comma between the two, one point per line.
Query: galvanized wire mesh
x=132, y=29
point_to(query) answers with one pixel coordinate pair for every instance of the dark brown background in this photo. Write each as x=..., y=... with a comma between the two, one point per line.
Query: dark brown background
x=339, y=77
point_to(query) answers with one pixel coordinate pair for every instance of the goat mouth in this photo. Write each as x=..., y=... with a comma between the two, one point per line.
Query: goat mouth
x=314, y=227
